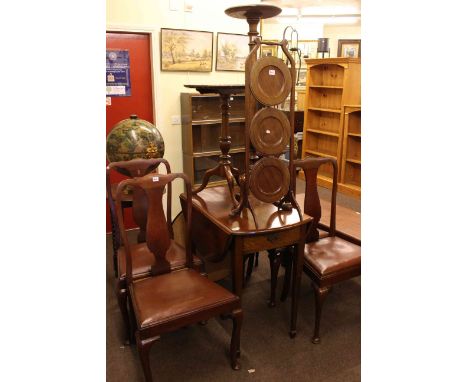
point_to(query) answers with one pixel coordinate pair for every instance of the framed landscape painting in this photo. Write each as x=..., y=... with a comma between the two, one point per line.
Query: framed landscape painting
x=231, y=51
x=186, y=50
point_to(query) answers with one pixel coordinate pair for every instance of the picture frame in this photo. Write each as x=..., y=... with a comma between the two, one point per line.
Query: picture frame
x=184, y=50
x=232, y=50
x=349, y=48
x=302, y=77
x=269, y=50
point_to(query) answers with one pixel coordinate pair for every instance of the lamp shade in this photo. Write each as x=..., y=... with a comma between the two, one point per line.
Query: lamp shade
x=322, y=46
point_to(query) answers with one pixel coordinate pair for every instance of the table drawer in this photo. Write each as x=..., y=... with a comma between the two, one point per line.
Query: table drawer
x=271, y=240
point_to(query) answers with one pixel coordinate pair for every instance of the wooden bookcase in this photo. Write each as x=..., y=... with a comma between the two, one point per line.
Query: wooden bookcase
x=201, y=129
x=331, y=84
x=350, y=179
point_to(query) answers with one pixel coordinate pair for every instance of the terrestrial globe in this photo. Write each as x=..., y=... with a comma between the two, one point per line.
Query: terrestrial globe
x=134, y=138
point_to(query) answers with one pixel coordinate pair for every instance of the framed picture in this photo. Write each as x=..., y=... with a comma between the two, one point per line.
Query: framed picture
x=349, y=48
x=186, y=50
x=302, y=74
x=231, y=51
x=269, y=50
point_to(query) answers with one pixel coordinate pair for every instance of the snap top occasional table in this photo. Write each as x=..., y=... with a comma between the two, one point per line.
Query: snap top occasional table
x=224, y=167
x=215, y=234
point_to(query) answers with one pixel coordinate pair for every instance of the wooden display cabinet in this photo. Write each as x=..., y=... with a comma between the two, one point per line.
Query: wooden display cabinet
x=201, y=129
x=331, y=84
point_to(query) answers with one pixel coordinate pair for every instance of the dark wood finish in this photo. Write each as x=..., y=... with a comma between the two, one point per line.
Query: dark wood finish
x=142, y=258
x=253, y=14
x=270, y=131
x=224, y=168
x=169, y=300
x=203, y=123
x=260, y=11
x=331, y=257
x=288, y=200
x=216, y=234
x=223, y=89
x=270, y=80
x=269, y=179
x=133, y=168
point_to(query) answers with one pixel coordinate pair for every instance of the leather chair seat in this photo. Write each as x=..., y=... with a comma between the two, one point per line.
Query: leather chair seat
x=143, y=259
x=173, y=295
x=332, y=254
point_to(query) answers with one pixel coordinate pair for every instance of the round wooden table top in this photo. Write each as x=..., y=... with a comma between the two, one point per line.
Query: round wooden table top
x=269, y=179
x=262, y=11
x=271, y=80
x=270, y=131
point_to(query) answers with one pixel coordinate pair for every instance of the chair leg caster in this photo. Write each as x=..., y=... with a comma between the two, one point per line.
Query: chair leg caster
x=316, y=340
x=292, y=334
x=271, y=304
x=235, y=365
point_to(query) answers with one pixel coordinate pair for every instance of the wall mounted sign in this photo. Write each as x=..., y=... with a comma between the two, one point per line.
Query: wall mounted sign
x=117, y=73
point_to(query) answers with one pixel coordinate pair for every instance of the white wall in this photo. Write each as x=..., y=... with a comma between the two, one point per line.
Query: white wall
x=150, y=16
x=308, y=29
x=311, y=29
x=340, y=32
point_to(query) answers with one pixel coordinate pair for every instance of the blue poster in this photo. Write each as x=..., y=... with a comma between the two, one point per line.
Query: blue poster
x=117, y=73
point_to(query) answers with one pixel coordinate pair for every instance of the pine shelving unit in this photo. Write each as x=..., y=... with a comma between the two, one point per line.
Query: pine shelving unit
x=332, y=84
x=350, y=180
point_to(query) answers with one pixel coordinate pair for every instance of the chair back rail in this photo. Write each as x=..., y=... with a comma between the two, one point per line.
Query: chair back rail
x=312, y=206
x=133, y=169
x=158, y=228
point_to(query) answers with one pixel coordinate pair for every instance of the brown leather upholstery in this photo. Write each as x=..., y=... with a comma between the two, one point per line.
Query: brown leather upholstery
x=143, y=259
x=328, y=258
x=168, y=299
x=174, y=295
x=332, y=254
